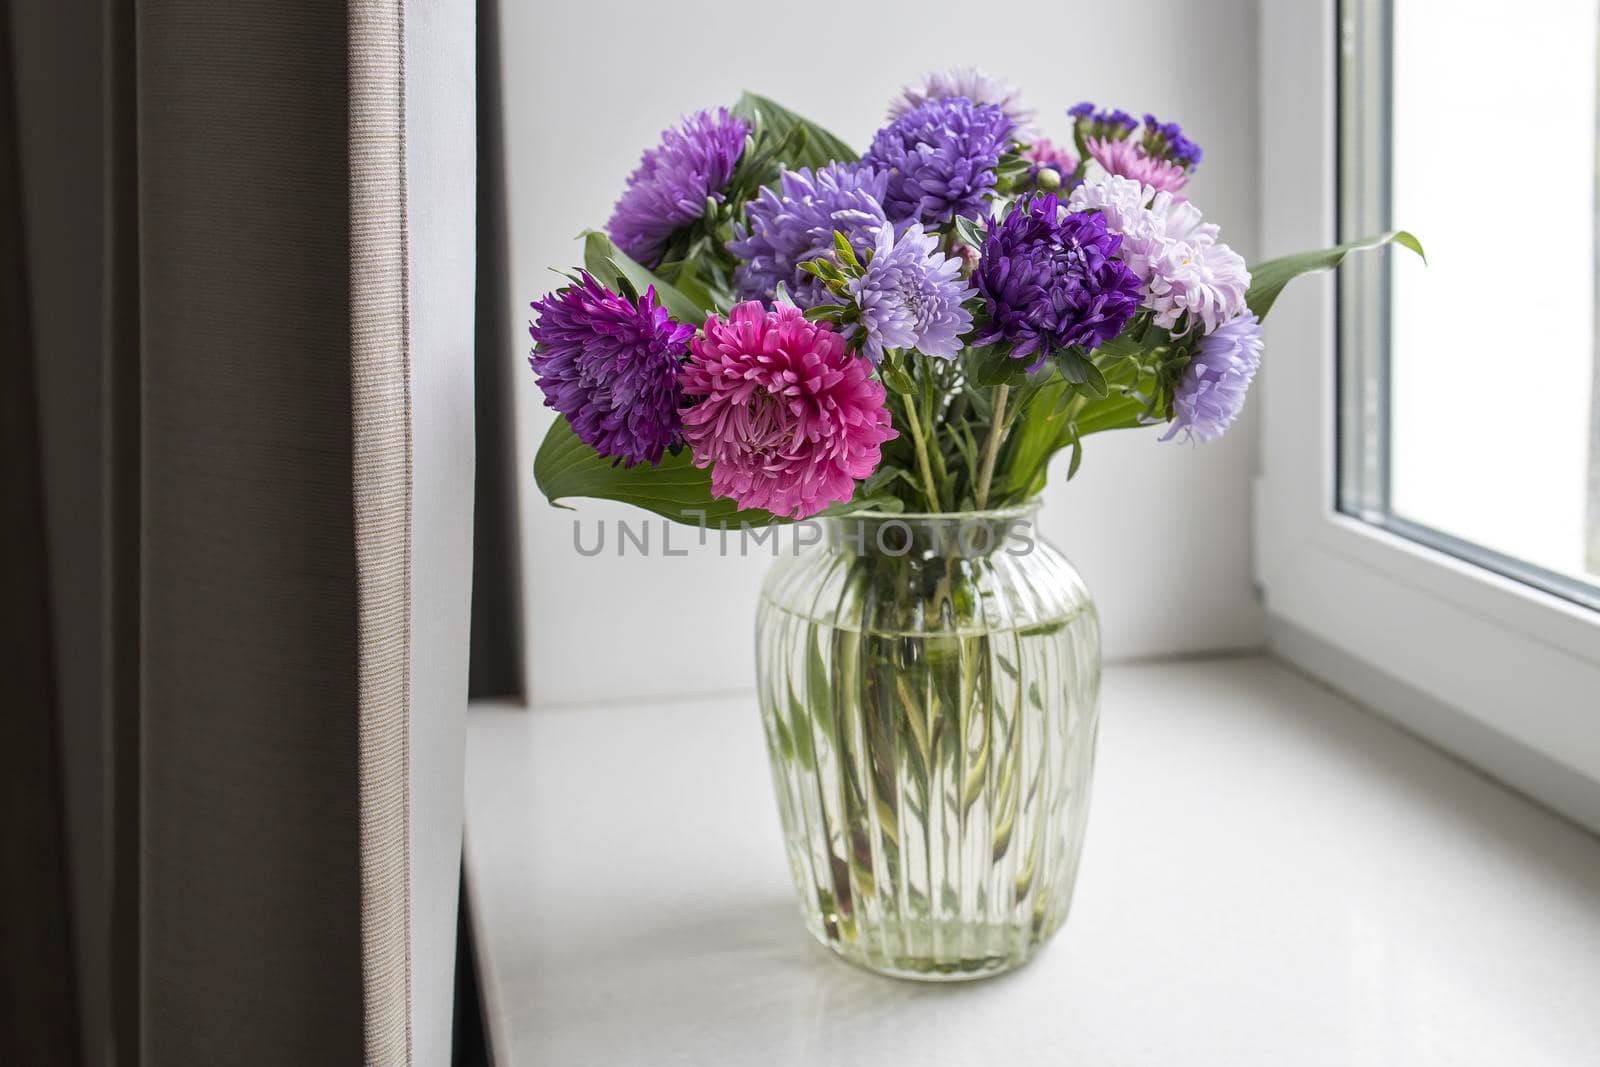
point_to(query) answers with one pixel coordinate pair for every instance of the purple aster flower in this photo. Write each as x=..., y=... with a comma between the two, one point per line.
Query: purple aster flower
x=1113, y=124
x=1165, y=140
x=610, y=365
x=669, y=188
x=940, y=159
x=973, y=84
x=910, y=296
x=1215, y=382
x=1051, y=279
x=796, y=223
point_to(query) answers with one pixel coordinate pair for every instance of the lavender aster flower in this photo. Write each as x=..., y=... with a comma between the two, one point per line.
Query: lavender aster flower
x=669, y=188
x=610, y=365
x=1051, y=279
x=973, y=84
x=796, y=223
x=910, y=296
x=1215, y=382
x=940, y=158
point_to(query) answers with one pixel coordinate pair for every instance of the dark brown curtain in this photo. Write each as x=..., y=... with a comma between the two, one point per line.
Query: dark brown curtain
x=38, y=1017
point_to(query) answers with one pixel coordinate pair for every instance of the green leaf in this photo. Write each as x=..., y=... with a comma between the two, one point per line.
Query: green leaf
x=1110, y=413
x=968, y=231
x=819, y=687
x=819, y=147
x=687, y=281
x=1077, y=457
x=1268, y=279
x=608, y=263
x=846, y=254
x=896, y=378
x=800, y=731
x=824, y=311
x=863, y=502
x=994, y=365
x=674, y=488
x=1079, y=370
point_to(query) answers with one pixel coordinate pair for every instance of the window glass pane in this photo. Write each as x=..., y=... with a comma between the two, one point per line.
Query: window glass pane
x=1480, y=425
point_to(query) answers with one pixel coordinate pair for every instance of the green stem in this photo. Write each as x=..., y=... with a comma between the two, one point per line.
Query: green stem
x=992, y=448
x=920, y=442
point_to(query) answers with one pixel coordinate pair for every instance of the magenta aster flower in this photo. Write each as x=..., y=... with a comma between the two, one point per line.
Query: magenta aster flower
x=1127, y=159
x=786, y=418
x=610, y=365
x=669, y=188
x=1214, y=385
x=796, y=222
x=973, y=84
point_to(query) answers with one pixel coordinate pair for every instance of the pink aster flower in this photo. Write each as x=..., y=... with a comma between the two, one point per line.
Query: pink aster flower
x=1126, y=159
x=785, y=417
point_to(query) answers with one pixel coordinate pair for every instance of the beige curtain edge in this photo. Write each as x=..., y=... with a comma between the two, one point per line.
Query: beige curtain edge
x=382, y=457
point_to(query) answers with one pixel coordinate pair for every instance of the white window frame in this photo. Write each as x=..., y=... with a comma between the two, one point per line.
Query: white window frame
x=1503, y=674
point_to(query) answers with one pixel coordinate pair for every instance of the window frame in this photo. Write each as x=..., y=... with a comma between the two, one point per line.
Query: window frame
x=1497, y=653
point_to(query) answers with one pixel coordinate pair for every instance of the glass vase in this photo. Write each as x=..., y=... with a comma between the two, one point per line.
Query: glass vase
x=929, y=687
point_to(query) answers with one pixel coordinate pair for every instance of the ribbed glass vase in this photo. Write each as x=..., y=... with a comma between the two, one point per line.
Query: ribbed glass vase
x=929, y=686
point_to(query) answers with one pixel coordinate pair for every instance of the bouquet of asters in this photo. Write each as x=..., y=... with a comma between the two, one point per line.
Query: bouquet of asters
x=773, y=326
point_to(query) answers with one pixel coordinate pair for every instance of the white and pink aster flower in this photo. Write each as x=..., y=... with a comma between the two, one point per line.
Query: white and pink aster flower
x=1182, y=268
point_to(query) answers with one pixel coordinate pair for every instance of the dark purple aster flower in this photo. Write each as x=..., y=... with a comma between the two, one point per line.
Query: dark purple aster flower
x=1051, y=279
x=940, y=159
x=668, y=190
x=1165, y=140
x=796, y=222
x=610, y=365
x=1113, y=124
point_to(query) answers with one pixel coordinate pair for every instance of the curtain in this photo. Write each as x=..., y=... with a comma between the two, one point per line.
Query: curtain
x=284, y=534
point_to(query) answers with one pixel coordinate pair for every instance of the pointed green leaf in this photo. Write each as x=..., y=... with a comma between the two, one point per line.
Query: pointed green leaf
x=994, y=365
x=1268, y=279
x=846, y=254
x=674, y=488
x=607, y=262
x=820, y=147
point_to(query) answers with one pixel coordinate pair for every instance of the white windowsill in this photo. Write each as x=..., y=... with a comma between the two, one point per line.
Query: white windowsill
x=1272, y=876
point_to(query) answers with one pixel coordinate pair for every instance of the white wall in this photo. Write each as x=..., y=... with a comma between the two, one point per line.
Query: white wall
x=1161, y=532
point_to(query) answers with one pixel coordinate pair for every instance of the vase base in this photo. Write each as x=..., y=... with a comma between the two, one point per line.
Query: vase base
x=947, y=952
